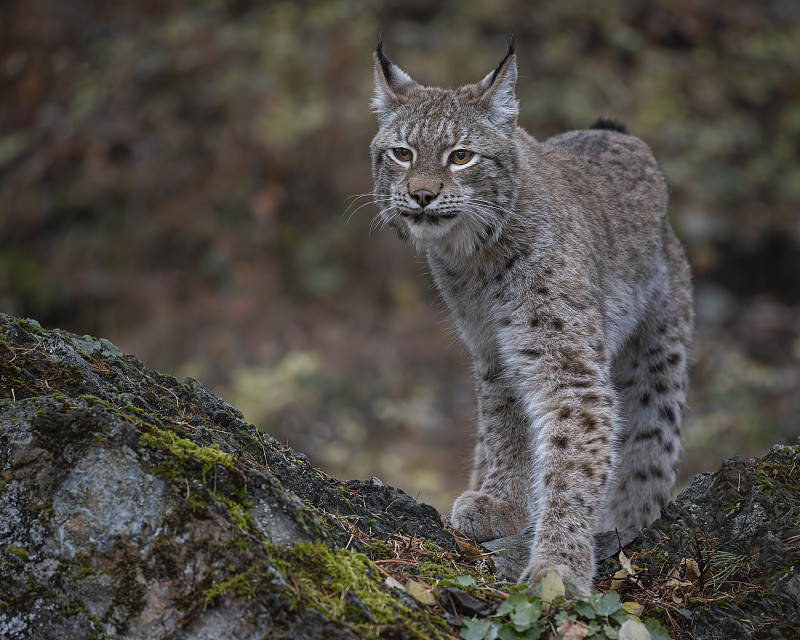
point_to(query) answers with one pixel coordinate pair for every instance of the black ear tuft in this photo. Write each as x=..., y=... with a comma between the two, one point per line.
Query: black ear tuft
x=503, y=61
x=386, y=66
x=610, y=125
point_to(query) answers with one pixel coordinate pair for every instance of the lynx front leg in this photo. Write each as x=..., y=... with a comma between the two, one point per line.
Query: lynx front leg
x=570, y=401
x=496, y=504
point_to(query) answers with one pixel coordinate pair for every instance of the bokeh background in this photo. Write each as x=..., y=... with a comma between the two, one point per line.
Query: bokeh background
x=175, y=175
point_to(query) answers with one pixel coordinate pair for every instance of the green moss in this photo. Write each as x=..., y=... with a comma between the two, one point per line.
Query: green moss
x=181, y=448
x=20, y=552
x=341, y=495
x=378, y=550
x=439, y=568
x=76, y=607
x=197, y=504
x=662, y=616
x=325, y=577
x=237, y=512
x=763, y=478
x=83, y=559
x=180, y=452
x=239, y=584
x=31, y=326
x=83, y=572
x=130, y=590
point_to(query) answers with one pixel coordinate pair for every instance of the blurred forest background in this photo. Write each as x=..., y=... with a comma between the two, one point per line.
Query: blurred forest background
x=174, y=176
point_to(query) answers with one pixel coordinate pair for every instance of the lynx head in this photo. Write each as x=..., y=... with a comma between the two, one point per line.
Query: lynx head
x=444, y=161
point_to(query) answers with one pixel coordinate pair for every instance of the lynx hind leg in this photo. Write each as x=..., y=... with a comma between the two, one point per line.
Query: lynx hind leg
x=485, y=512
x=478, y=467
x=496, y=504
x=484, y=517
x=652, y=380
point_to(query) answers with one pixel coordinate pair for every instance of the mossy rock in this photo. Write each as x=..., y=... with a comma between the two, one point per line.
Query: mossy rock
x=133, y=505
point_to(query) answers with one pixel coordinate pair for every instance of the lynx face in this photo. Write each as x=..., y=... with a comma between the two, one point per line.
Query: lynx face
x=443, y=160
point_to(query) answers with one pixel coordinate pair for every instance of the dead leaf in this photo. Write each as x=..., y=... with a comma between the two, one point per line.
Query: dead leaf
x=468, y=550
x=628, y=570
x=682, y=579
x=619, y=579
x=394, y=584
x=552, y=589
x=692, y=570
x=570, y=630
x=420, y=593
x=633, y=608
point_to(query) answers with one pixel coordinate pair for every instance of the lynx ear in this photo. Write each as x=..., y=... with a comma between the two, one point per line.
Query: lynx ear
x=390, y=80
x=497, y=91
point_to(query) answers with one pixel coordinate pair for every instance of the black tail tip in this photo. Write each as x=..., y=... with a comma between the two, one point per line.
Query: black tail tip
x=609, y=124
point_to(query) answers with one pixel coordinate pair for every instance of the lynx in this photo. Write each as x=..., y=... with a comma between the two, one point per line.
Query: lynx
x=567, y=285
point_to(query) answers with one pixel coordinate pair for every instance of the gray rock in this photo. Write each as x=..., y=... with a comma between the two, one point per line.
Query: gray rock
x=135, y=506
x=511, y=554
x=107, y=497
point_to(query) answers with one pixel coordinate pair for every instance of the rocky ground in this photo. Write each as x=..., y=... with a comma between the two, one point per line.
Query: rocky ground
x=133, y=505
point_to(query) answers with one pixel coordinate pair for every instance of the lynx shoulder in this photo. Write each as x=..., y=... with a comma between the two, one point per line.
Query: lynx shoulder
x=565, y=281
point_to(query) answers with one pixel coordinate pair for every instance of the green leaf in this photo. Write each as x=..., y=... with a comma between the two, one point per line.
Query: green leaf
x=607, y=604
x=633, y=630
x=479, y=629
x=535, y=633
x=656, y=630
x=525, y=614
x=465, y=581
x=611, y=632
x=561, y=616
x=507, y=606
x=586, y=609
x=507, y=632
x=618, y=616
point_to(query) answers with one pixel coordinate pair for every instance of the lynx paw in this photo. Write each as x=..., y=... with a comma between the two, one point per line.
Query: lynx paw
x=537, y=570
x=483, y=517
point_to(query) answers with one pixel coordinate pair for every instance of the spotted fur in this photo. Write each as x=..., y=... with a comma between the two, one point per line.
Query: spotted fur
x=567, y=285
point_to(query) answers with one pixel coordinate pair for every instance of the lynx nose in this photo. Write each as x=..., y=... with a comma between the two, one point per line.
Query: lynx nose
x=423, y=196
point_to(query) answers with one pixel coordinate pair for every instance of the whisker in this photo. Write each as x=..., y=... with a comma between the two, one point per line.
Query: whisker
x=360, y=195
x=362, y=205
x=373, y=198
x=381, y=220
x=490, y=205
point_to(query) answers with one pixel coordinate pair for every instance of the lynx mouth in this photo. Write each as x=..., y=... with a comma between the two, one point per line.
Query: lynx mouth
x=426, y=217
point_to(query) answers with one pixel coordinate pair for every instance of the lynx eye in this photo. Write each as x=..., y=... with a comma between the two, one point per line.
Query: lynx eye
x=461, y=156
x=402, y=154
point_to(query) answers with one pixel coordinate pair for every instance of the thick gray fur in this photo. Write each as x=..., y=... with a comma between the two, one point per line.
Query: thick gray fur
x=567, y=285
